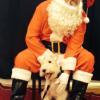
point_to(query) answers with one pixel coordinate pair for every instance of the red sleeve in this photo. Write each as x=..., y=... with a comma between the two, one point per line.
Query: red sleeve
x=34, y=31
x=75, y=42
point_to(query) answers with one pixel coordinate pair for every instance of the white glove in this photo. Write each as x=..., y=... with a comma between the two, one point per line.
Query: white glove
x=68, y=63
x=62, y=82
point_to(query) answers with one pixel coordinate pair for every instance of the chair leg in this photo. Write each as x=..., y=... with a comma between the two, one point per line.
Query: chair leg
x=36, y=77
x=39, y=84
x=33, y=87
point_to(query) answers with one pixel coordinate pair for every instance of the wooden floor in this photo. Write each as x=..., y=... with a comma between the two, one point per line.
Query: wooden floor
x=93, y=91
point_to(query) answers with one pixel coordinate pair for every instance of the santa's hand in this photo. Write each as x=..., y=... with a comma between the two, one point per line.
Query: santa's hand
x=62, y=82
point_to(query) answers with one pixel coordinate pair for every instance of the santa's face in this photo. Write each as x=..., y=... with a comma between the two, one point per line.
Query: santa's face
x=73, y=2
x=64, y=17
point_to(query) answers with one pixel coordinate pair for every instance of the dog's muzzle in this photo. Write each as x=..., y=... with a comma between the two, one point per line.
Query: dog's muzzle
x=47, y=75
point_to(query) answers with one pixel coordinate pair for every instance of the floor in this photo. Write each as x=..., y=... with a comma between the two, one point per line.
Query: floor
x=93, y=91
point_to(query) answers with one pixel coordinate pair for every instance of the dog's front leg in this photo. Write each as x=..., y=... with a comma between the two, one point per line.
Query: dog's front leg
x=62, y=96
x=47, y=83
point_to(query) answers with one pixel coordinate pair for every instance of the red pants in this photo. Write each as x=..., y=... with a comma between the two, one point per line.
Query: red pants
x=26, y=62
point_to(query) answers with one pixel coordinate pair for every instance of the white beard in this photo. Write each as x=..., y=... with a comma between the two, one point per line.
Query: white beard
x=63, y=18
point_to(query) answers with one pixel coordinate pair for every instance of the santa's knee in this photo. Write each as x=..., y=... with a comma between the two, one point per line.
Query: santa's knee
x=21, y=59
x=21, y=68
x=89, y=63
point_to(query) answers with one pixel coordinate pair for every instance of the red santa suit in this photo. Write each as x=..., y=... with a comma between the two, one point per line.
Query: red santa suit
x=55, y=21
x=39, y=29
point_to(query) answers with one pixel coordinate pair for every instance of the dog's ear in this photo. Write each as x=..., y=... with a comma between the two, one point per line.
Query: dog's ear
x=61, y=69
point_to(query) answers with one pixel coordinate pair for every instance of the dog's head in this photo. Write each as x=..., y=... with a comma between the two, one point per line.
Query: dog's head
x=49, y=68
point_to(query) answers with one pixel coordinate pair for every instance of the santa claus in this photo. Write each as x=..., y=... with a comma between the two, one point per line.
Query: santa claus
x=56, y=25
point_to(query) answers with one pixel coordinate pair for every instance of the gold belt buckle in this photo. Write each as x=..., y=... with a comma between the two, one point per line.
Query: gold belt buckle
x=52, y=46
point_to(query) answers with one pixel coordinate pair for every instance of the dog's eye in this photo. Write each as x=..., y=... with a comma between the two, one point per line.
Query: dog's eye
x=49, y=61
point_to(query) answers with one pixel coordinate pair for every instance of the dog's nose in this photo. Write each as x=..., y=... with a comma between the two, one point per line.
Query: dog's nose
x=44, y=70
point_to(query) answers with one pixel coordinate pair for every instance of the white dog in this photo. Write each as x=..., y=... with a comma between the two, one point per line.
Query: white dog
x=51, y=70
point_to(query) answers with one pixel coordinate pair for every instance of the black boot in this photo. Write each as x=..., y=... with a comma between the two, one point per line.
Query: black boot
x=18, y=89
x=78, y=90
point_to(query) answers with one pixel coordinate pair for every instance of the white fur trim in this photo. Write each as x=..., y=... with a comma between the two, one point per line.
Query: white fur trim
x=22, y=74
x=69, y=63
x=86, y=20
x=82, y=76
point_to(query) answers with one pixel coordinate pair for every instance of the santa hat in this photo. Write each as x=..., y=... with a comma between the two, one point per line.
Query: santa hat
x=86, y=5
x=90, y=3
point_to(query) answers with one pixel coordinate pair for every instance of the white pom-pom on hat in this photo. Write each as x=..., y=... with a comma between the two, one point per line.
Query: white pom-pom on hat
x=86, y=20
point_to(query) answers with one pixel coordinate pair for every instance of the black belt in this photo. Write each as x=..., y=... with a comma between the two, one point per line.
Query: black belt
x=56, y=46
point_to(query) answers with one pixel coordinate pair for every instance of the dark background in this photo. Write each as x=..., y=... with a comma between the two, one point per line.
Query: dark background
x=14, y=19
